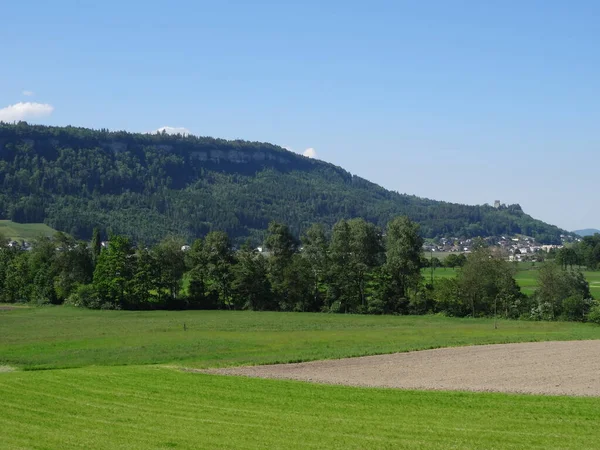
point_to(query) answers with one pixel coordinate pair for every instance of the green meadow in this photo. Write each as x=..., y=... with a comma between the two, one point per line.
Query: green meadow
x=63, y=337
x=157, y=408
x=113, y=379
x=24, y=231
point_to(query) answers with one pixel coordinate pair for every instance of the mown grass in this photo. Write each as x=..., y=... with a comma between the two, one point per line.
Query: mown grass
x=27, y=231
x=113, y=396
x=61, y=337
x=151, y=408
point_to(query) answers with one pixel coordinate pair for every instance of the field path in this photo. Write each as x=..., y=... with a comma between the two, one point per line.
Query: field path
x=555, y=368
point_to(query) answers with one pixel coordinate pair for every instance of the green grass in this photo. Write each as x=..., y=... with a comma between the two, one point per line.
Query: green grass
x=439, y=255
x=440, y=272
x=527, y=280
x=60, y=337
x=24, y=231
x=151, y=408
x=115, y=395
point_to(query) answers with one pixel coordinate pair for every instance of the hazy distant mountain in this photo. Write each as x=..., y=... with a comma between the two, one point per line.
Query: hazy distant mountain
x=148, y=186
x=587, y=232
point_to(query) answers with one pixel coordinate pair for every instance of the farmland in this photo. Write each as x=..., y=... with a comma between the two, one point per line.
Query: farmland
x=24, y=231
x=62, y=337
x=123, y=388
x=146, y=407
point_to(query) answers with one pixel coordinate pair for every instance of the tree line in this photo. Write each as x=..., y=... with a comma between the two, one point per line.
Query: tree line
x=356, y=268
x=583, y=253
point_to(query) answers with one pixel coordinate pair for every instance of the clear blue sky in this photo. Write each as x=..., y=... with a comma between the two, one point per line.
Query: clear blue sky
x=465, y=101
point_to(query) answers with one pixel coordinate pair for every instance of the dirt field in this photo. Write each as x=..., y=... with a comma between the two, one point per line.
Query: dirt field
x=555, y=368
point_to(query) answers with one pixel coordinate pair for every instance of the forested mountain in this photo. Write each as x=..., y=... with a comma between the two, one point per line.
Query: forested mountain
x=147, y=186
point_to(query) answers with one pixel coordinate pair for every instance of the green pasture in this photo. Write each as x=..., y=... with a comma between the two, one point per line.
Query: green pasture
x=61, y=337
x=113, y=380
x=24, y=231
x=158, y=408
x=440, y=255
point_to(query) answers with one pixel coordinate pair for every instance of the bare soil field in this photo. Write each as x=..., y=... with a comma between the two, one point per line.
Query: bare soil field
x=554, y=368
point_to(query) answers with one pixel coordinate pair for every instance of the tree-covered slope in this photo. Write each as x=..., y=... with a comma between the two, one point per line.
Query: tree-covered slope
x=148, y=186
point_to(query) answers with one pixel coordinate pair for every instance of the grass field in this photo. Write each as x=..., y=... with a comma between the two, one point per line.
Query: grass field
x=147, y=408
x=123, y=389
x=25, y=231
x=61, y=337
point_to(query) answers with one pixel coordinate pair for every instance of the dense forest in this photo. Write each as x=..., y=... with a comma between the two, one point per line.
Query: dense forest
x=357, y=268
x=146, y=186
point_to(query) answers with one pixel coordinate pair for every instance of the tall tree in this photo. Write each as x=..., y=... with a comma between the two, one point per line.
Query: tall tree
x=555, y=286
x=366, y=252
x=217, y=254
x=171, y=259
x=42, y=267
x=113, y=272
x=487, y=280
x=18, y=282
x=196, y=263
x=282, y=245
x=96, y=245
x=250, y=285
x=73, y=265
x=145, y=286
x=339, y=295
x=403, y=249
x=315, y=247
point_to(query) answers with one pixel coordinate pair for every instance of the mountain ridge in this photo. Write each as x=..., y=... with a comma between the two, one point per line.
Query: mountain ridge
x=150, y=185
x=586, y=232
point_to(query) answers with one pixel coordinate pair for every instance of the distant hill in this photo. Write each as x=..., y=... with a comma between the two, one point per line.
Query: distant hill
x=24, y=231
x=586, y=232
x=147, y=186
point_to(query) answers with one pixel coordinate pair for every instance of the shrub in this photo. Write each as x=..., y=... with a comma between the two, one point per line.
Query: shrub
x=575, y=308
x=85, y=296
x=594, y=314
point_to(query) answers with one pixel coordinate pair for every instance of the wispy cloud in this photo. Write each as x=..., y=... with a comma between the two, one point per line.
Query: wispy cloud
x=25, y=111
x=27, y=93
x=173, y=130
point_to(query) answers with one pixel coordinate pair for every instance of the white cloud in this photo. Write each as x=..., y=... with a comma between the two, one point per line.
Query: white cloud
x=173, y=130
x=24, y=111
x=310, y=153
x=28, y=93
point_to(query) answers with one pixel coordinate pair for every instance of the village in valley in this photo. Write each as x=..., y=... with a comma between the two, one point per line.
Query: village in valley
x=513, y=248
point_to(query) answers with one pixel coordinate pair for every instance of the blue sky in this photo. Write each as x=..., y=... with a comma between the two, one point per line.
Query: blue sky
x=464, y=101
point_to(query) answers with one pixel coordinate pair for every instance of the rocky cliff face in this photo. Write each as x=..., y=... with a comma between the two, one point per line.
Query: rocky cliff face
x=235, y=156
x=213, y=155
